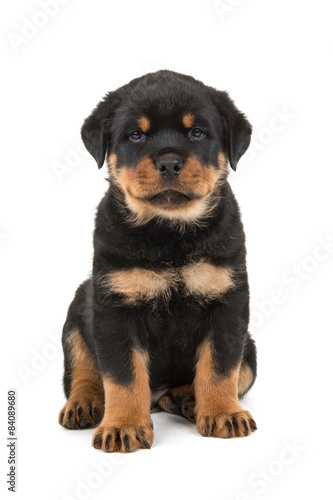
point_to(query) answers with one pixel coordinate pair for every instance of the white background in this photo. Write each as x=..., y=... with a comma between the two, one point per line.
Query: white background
x=274, y=58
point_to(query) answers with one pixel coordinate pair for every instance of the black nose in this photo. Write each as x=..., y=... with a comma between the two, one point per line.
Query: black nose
x=169, y=166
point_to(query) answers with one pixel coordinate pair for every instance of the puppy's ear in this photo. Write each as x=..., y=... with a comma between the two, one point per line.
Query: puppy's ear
x=237, y=129
x=95, y=131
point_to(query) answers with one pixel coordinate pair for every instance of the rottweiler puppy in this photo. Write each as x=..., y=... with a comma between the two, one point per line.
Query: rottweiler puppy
x=163, y=320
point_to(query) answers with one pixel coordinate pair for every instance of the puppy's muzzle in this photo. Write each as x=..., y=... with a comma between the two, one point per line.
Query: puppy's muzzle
x=169, y=166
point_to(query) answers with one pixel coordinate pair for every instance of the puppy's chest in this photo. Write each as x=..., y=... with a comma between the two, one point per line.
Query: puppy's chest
x=199, y=279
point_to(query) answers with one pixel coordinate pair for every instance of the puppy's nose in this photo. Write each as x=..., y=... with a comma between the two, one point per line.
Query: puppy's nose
x=169, y=166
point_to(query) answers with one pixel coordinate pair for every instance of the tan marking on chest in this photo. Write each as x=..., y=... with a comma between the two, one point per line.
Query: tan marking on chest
x=138, y=284
x=202, y=278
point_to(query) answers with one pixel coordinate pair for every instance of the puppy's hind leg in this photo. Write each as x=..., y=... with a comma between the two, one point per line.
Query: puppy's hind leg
x=248, y=368
x=82, y=383
x=179, y=401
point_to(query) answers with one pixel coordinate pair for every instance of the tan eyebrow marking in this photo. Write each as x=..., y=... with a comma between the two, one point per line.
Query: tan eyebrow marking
x=188, y=120
x=144, y=123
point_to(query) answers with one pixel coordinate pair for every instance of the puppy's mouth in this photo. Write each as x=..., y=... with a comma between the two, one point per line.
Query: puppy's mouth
x=169, y=198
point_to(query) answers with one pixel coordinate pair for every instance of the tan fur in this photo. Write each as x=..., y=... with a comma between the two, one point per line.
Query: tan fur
x=144, y=124
x=198, y=178
x=222, y=162
x=128, y=405
x=179, y=401
x=181, y=390
x=217, y=403
x=202, y=278
x=112, y=164
x=139, y=284
x=86, y=379
x=192, y=213
x=195, y=180
x=188, y=120
x=143, y=181
x=245, y=378
x=211, y=392
x=86, y=386
x=127, y=410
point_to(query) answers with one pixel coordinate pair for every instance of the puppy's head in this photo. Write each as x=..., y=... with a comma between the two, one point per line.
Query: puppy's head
x=167, y=139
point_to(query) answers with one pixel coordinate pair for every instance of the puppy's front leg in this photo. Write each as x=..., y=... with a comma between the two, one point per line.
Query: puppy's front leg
x=126, y=425
x=219, y=413
x=216, y=383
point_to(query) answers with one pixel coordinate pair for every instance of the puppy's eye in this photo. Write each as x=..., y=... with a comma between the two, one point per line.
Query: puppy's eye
x=196, y=133
x=137, y=136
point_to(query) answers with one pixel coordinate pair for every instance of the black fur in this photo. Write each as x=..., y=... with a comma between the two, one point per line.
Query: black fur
x=170, y=332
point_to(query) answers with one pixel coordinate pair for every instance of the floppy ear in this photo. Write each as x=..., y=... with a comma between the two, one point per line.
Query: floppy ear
x=95, y=131
x=237, y=128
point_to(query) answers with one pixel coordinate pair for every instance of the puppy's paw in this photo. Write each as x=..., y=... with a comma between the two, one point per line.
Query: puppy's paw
x=81, y=414
x=226, y=425
x=179, y=401
x=124, y=439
